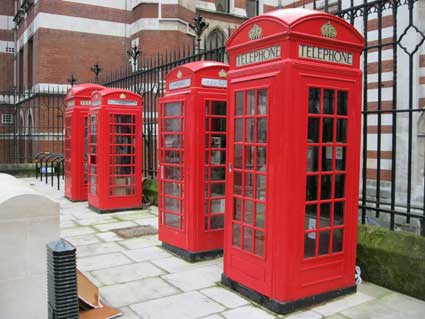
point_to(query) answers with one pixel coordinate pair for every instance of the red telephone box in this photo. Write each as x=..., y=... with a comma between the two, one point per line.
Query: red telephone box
x=293, y=158
x=192, y=154
x=115, y=151
x=76, y=125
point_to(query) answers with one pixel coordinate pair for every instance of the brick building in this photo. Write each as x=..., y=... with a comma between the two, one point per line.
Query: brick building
x=55, y=38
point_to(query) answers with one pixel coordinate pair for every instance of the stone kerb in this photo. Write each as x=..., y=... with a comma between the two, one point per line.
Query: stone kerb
x=28, y=221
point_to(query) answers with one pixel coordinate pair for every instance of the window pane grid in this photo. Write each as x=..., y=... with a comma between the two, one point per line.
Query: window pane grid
x=250, y=145
x=214, y=165
x=171, y=156
x=326, y=168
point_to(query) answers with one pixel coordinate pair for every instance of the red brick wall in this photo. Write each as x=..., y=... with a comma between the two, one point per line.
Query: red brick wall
x=6, y=71
x=153, y=42
x=7, y=7
x=177, y=11
x=145, y=10
x=61, y=53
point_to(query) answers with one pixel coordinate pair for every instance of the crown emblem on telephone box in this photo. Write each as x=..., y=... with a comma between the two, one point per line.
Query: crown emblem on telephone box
x=328, y=30
x=255, y=32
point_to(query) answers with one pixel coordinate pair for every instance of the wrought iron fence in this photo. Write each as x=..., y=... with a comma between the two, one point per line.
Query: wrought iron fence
x=31, y=122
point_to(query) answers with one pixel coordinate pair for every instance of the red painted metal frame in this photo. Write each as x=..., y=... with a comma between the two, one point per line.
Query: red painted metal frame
x=75, y=148
x=115, y=151
x=188, y=232
x=281, y=270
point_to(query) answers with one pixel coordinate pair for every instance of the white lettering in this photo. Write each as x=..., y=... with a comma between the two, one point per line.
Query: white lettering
x=258, y=56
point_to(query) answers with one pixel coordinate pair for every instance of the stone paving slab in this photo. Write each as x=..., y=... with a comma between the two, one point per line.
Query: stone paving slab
x=195, y=279
x=127, y=273
x=102, y=261
x=189, y=305
x=137, y=291
x=145, y=281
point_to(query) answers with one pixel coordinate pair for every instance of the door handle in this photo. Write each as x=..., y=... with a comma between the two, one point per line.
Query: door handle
x=230, y=167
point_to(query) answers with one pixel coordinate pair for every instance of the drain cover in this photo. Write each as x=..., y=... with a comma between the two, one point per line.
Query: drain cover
x=135, y=231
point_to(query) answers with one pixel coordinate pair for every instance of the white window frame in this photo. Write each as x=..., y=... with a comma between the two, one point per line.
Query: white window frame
x=7, y=118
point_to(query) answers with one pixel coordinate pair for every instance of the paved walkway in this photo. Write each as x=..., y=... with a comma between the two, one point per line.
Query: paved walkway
x=145, y=281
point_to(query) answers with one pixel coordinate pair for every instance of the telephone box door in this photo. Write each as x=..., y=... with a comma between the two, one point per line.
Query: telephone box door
x=247, y=191
x=171, y=175
x=330, y=203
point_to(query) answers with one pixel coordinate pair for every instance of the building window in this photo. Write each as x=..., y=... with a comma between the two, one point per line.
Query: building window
x=222, y=6
x=216, y=39
x=6, y=119
x=251, y=8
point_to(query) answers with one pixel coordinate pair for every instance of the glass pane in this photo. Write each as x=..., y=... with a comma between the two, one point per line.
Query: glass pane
x=328, y=103
x=123, y=118
x=262, y=101
x=326, y=188
x=218, y=125
x=312, y=158
x=217, y=206
x=341, y=131
x=172, y=157
x=340, y=158
x=325, y=215
x=309, y=245
x=122, y=149
x=236, y=235
x=172, y=125
x=249, y=157
x=237, y=156
x=311, y=188
x=237, y=183
x=123, y=129
x=261, y=187
x=310, y=217
x=261, y=159
x=217, y=173
x=339, y=186
x=249, y=185
x=259, y=243
x=313, y=130
x=218, y=108
x=324, y=242
x=217, y=157
x=248, y=212
x=262, y=131
x=239, y=103
x=172, y=220
x=172, y=204
x=249, y=130
x=217, y=221
x=247, y=239
x=237, y=208
x=172, y=109
x=238, y=130
x=260, y=215
x=172, y=141
x=171, y=172
x=217, y=189
x=328, y=130
x=327, y=155
x=337, y=240
x=339, y=213
x=342, y=102
x=122, y=160
x=172, y=189
x=314, y=101
x=250, y=96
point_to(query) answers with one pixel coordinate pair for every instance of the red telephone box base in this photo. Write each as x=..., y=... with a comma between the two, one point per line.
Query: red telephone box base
x=107, y=211
x=285, y=307
x=192, y=257
x=75, y=200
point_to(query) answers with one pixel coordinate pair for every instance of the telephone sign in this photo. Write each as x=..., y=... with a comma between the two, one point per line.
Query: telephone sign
x=192, y=155
x=293, y=158
x=75, y=148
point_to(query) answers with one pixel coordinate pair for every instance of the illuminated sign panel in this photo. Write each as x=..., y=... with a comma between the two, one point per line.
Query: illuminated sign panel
x=257, y=56
x=324, y=54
